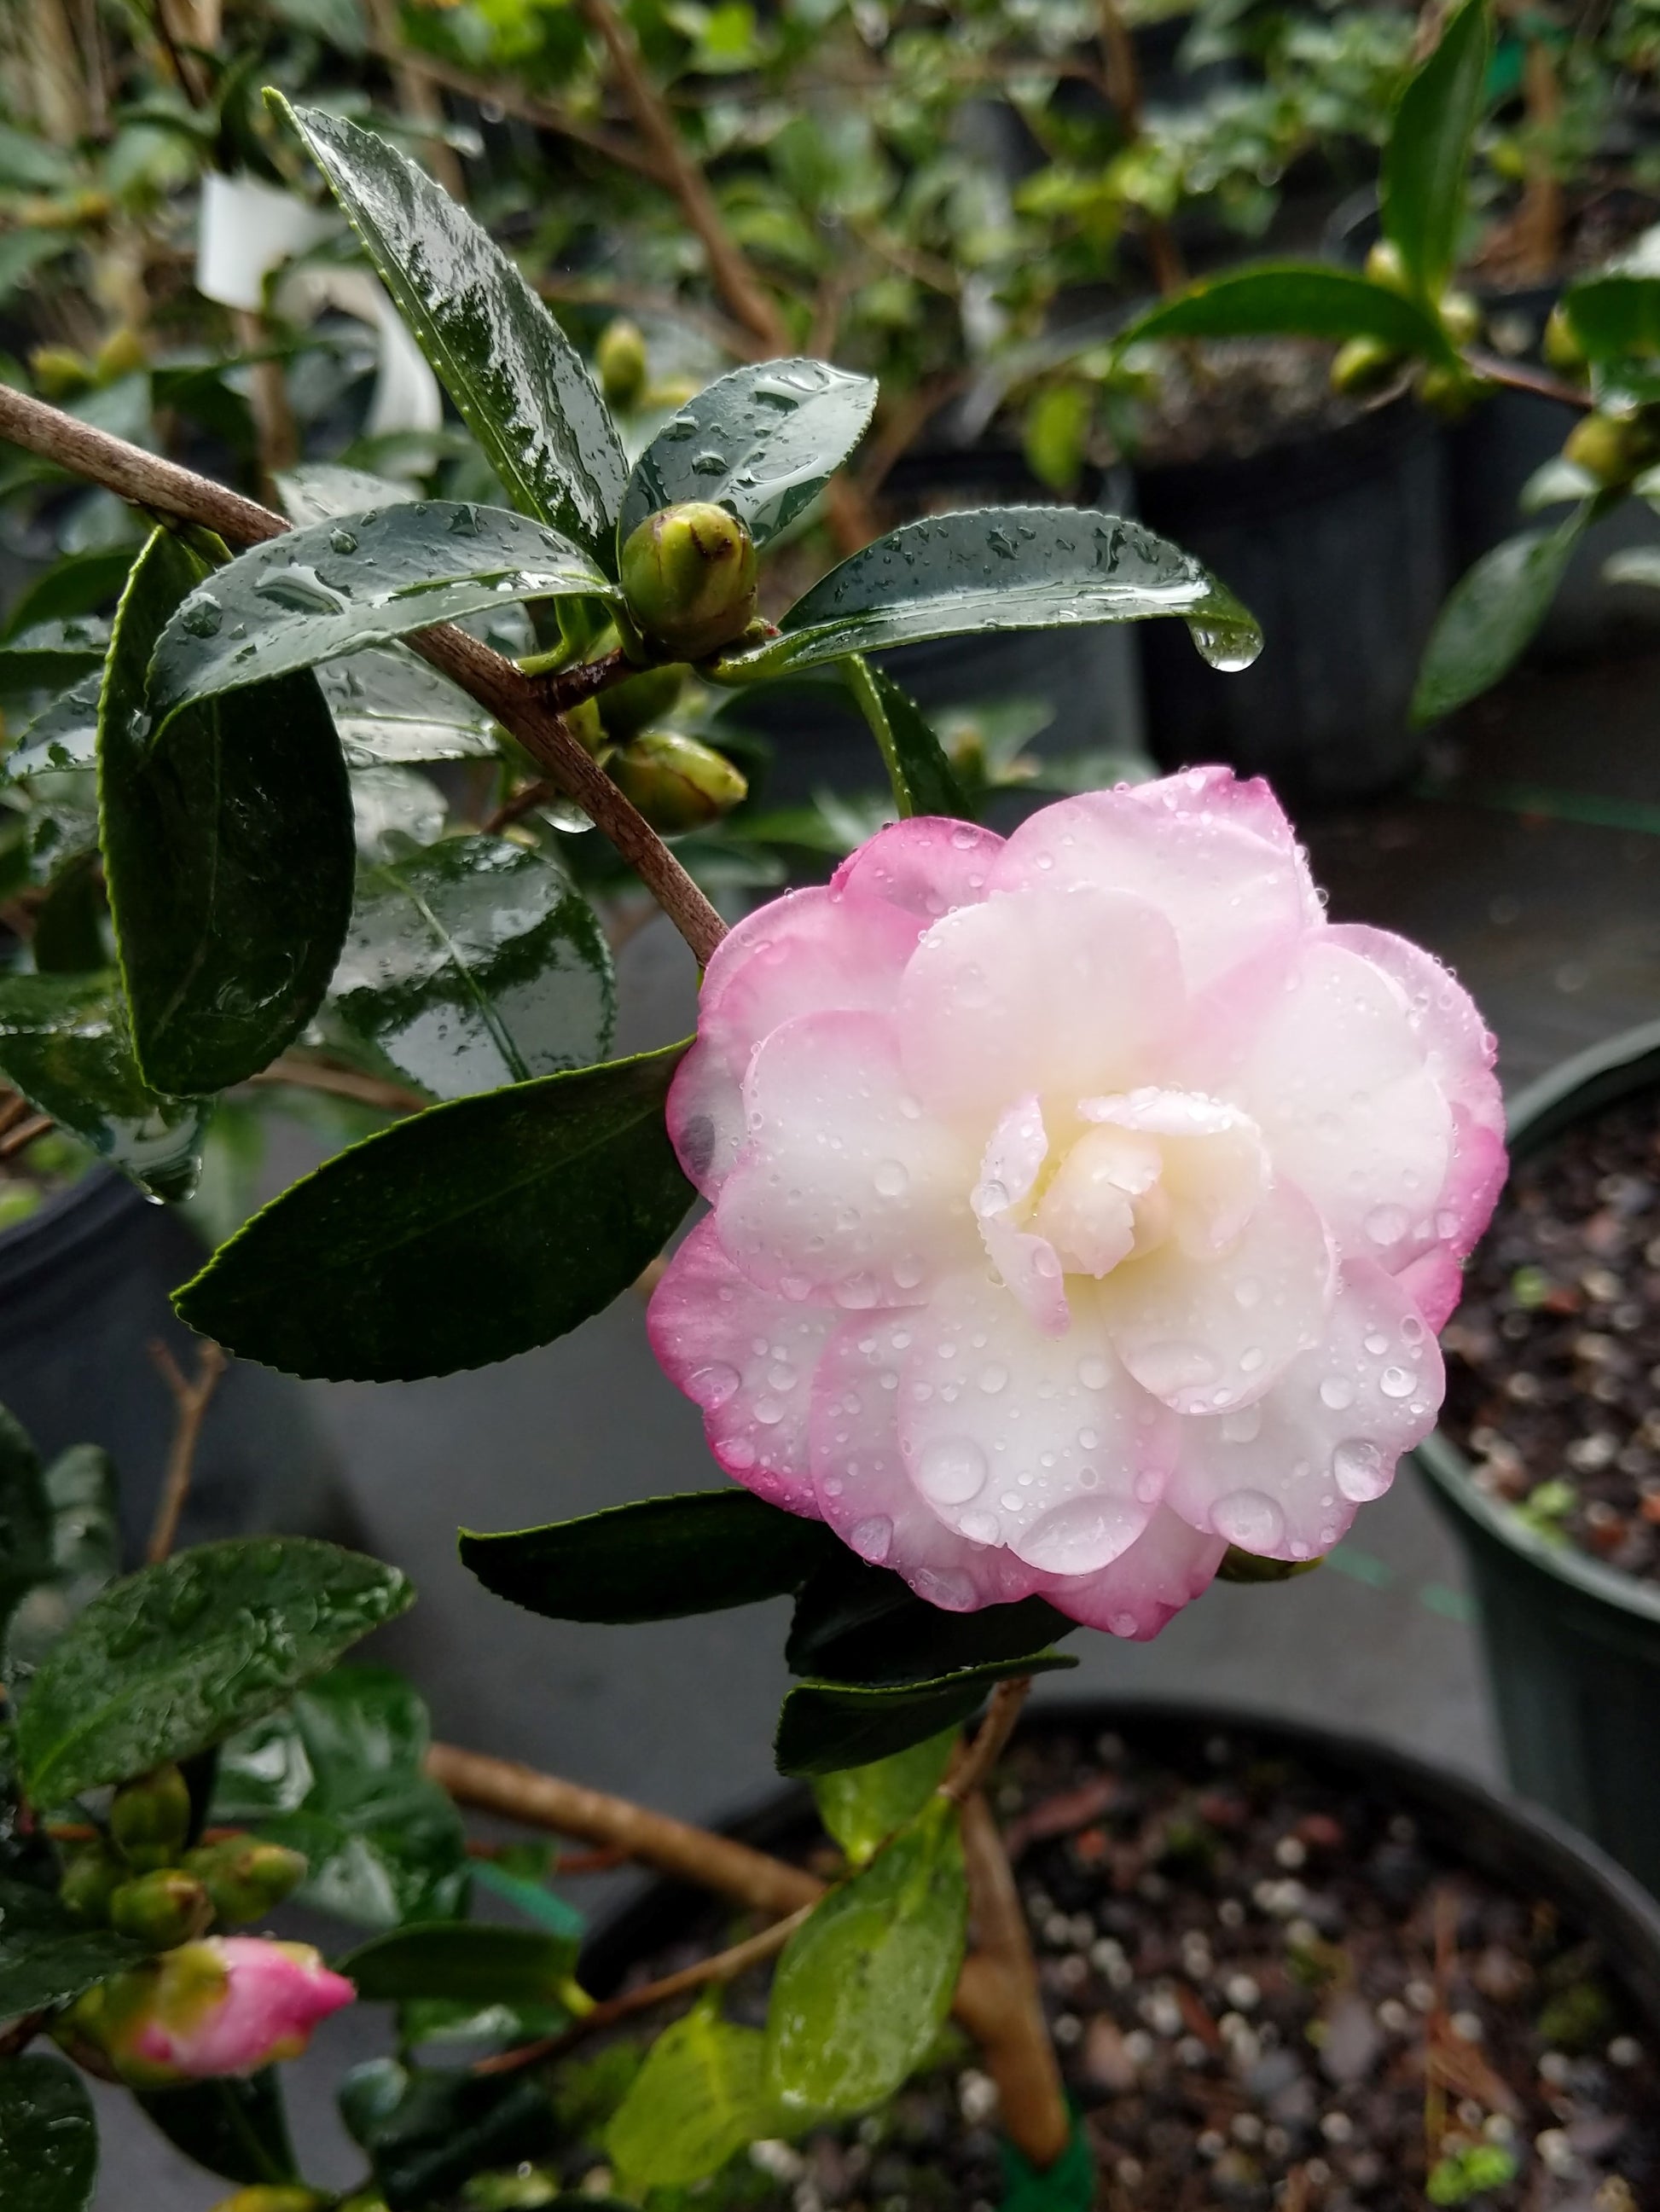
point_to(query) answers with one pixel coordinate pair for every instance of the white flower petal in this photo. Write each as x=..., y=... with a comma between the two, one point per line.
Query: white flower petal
x=1028, y=1264
x=1167, y=1566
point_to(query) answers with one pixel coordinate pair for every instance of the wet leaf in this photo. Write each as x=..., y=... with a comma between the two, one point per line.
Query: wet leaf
x=761, y=442
x=428, y=2132
x=361, y=579
x=1426, y=154
x=467, y=1961
x=76, y=584
x=472, y=964
x=389, y=708
x=228, y=853
x=1292, y=299
x=177, y=1656
x=857, y=1623
x=999, y=568
x=61, y=738
x=701, y=2096
x=522, y=389
x=864, y=1983
x=459, y=1236
x=1615, y=314
x=922, y=778
x=316, y=491
x=825, y=1726
x=394, y=812
x=236, y=2128
x=48, y=1959
x=861, y=1806
x=1490, y=614
x=50, y=655
x=65, y=1044
x=659, y=1560
x=48, y=2137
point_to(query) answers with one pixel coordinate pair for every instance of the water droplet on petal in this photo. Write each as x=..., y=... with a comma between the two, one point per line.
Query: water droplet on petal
x=1361, y=1470
x=711, y=1387
x=1337, y=1392
x=1249, y=1519
x=951, y=1470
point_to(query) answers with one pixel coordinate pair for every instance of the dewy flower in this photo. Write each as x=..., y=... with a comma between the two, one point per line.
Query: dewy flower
x=230, y=2004
x=1084, y=1203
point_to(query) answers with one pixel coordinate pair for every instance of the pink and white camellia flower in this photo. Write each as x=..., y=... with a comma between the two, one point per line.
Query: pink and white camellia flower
x=228, y=2004
x=1084, y=1202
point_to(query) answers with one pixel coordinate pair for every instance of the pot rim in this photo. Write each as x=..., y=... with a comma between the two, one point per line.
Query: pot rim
x=1563, y=1095
x=90, y=1205
x=1613, y=1902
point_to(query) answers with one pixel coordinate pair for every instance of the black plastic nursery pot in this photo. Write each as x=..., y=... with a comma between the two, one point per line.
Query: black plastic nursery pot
x=84, y=1287
x=1337, y=544
x=1573, y=1646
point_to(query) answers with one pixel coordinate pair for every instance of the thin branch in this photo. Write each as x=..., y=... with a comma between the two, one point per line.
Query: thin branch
x=342, y=1083
x=1013, y=2035
x=12, y=1111
x=569, y=687
x=524, y=801
x=164, y=488
x=20, y=1138
x=1517, y=376
x=988, y=1746
x=19, y=2035
x=723, y=1966
x=190, y=1401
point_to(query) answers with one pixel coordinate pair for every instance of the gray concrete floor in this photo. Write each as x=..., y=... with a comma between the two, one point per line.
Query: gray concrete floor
x=1552, y=922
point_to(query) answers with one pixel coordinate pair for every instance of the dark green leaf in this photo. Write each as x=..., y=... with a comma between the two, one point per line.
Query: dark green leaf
x=1615, y=314
x=861, y=1806
x=1292, y=299
x=1426, y=154
x=922, y=778
x=761, y=442
x=389, y=707
x=1068, y=2186
x=47, y=1958
x=26, y=1519
x=865, y=1982
x=83, y=1552
x=427, y=2133
x=825, y=1726
x=52, y=654
x=660, y=1559
x=63, y=737
x=700, y=2096
x=228, y=851
x=63, y=1043
x=68, y=922
x=521, y=387
x=364, y=579
x=459, y=1236
x=75, y=584
x=337, y=1775
x=469, y=1961
x=179, y=1656
x=856, y=1623
x=472, y=964
x=1021, y=567
x=235, y=2129
x=48, y=2137
x=1490, y=614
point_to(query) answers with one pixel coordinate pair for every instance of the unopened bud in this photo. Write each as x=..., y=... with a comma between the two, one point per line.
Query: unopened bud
x=1363, y=365
x=90, y=1879
x=1460, y=319
x=1560, y=345
x=620, y=358
x=1449, y=393
x=59, y=371
x=150, y=1819
x=688, y=575
x=121, y=354
x=162, y=1909
x=676, y=783
x=230, y=2004
x=1384, y=266
x=1609, y=448
x=633, y=705
x=583, y=722
x=265, y=2196
x=245, y=1878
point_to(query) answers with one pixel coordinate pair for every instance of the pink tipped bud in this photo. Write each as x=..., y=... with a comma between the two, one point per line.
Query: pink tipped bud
x=230, y=2004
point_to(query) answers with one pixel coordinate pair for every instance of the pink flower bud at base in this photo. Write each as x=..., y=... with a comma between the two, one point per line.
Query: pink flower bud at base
x=230, y=2004
x=688, y=575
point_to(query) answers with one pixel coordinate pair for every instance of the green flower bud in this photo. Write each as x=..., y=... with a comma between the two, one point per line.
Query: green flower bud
x=246, y=1878
x=162, y=1909
x=90, y=1879
x=150, y=1819
x=1609, y=448
x=1460, y=319
x=1384, y=266
x=634, y=704
x=1363, y=365
x=1559, y=346
x=1449, y=393
x=676, y=783
x=583, y=722
x=59, y=371
x=266, y=2197
x=620, y=358
x=688, y=575
x=121, y=354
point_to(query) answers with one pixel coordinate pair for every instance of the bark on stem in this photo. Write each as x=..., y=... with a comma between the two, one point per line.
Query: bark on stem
x=1014, y=2034
x=191, y=1403
x=512, y=698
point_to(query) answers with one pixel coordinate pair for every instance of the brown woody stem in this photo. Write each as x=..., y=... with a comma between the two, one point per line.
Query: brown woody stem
x=191, y=1402
x=988, y=1746
x=165, y=489
x=1013, y=2035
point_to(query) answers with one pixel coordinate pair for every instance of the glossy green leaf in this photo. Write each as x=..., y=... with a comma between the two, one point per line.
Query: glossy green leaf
x=75, y=584
x=922, y=778
x=1292, y=299
x=1427, y=156
x=362, y=580
x=865, y=1982
x=50, y=655
x=856, y=1623
x=389, y=707
x=825, y=1726
x=1615, y=314
x=68, y=922
x=861, y=1806
x=394, y=812
x=48, y=2137
x=459, y=1236
x=82, y=1552
x=227, y=853
x=47, y=1958
x=316, y=491
x=471, y=1961
x=65, y=1044
x=237, y=2128
x=522, y=389
x=1068, y=2186
x=63, y=737
x=762, y=441
x=177, y=1656
x=1019, y=567
x=428, y=2132
x=659, y=1560
x=472, y=964
x=1490, y=614
x=337, y=1774
x=700, y=2097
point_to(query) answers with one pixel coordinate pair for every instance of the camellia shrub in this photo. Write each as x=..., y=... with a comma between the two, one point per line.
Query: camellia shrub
x=1082, y=1206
